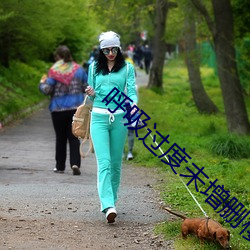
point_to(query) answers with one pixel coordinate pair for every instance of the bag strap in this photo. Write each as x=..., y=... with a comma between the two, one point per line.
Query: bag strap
x=91, y=148
x=85, y=99
x=87, y=137
x=84, y=155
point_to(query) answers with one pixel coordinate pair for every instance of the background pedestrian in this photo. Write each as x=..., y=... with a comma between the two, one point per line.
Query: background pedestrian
x=65, y=84
x=147, y=54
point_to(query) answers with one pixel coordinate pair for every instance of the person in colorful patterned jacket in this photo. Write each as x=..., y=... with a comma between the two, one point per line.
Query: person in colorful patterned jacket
x=65, y=83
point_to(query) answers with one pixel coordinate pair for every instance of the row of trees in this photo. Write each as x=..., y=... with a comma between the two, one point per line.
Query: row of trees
x=29, y=32
x=221, y=28
x=218, y=16
x=215, y=22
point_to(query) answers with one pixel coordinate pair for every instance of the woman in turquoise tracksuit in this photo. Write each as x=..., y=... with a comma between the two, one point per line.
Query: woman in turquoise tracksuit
x=107, y=130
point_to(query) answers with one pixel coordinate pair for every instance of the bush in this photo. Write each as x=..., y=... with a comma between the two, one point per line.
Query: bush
x=231, y=146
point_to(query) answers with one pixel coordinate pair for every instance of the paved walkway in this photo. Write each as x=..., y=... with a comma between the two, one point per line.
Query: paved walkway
x=141, y=78
x=26, y=163
x=29, y=189
x=27, y=158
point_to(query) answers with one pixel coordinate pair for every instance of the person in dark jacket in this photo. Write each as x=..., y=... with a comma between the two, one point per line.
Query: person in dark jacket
x=147, y=54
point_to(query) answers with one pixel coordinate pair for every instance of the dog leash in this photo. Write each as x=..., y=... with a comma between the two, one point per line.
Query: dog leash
x=183, y=182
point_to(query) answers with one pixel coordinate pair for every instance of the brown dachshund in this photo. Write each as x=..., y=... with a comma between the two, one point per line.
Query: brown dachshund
x=204, y=228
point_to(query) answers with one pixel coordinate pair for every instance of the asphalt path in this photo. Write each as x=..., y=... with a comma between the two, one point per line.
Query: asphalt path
x=31, y=190
x=26, y=177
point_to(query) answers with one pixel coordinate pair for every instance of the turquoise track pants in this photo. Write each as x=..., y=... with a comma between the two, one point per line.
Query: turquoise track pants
x=108, y=139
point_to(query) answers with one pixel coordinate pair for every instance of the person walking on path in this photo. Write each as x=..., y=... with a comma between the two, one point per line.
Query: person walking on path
x=131, y=132
x=107, y=129
x=65, y=84
x=147, y=54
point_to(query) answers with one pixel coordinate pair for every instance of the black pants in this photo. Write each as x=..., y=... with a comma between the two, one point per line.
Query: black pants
x=147, y=65
x=62, y=122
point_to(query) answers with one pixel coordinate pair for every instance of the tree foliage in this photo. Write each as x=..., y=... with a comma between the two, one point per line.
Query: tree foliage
x=242, y=34
x=28, y=33
x=241, y=18
x=175, y=25
x=126, y=17
x=33, y=29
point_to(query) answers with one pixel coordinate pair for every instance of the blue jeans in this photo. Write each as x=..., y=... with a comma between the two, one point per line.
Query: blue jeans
x=108, y=139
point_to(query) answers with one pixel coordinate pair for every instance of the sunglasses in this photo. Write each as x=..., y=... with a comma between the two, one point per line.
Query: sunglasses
x=106, y=51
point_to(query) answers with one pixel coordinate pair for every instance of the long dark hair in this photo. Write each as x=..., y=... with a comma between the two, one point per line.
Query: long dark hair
x=101, y=64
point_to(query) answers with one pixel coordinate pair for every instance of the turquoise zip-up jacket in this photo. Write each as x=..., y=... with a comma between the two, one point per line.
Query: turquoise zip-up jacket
x=123, y=80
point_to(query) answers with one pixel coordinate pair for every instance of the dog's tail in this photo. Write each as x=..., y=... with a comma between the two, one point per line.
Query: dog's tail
x=174, y=213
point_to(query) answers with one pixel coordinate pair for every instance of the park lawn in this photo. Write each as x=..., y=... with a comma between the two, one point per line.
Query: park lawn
x=173, y=113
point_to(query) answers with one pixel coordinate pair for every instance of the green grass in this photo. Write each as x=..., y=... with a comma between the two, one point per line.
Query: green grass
x=225, y=157
x=231, y=146
x=19, y=87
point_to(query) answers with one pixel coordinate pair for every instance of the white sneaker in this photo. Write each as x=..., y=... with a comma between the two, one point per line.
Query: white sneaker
x=76, y=170
x=58, y=171
x=129, y=156
x=111, y=214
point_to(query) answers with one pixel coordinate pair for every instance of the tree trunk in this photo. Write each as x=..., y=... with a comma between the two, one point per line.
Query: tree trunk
x=235, y=109
x=201, y=99
x=223, y=38
x=159, y=46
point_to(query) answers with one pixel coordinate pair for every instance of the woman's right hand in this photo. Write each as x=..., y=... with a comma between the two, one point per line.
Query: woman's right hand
x=90, y=91
x=43, y=79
